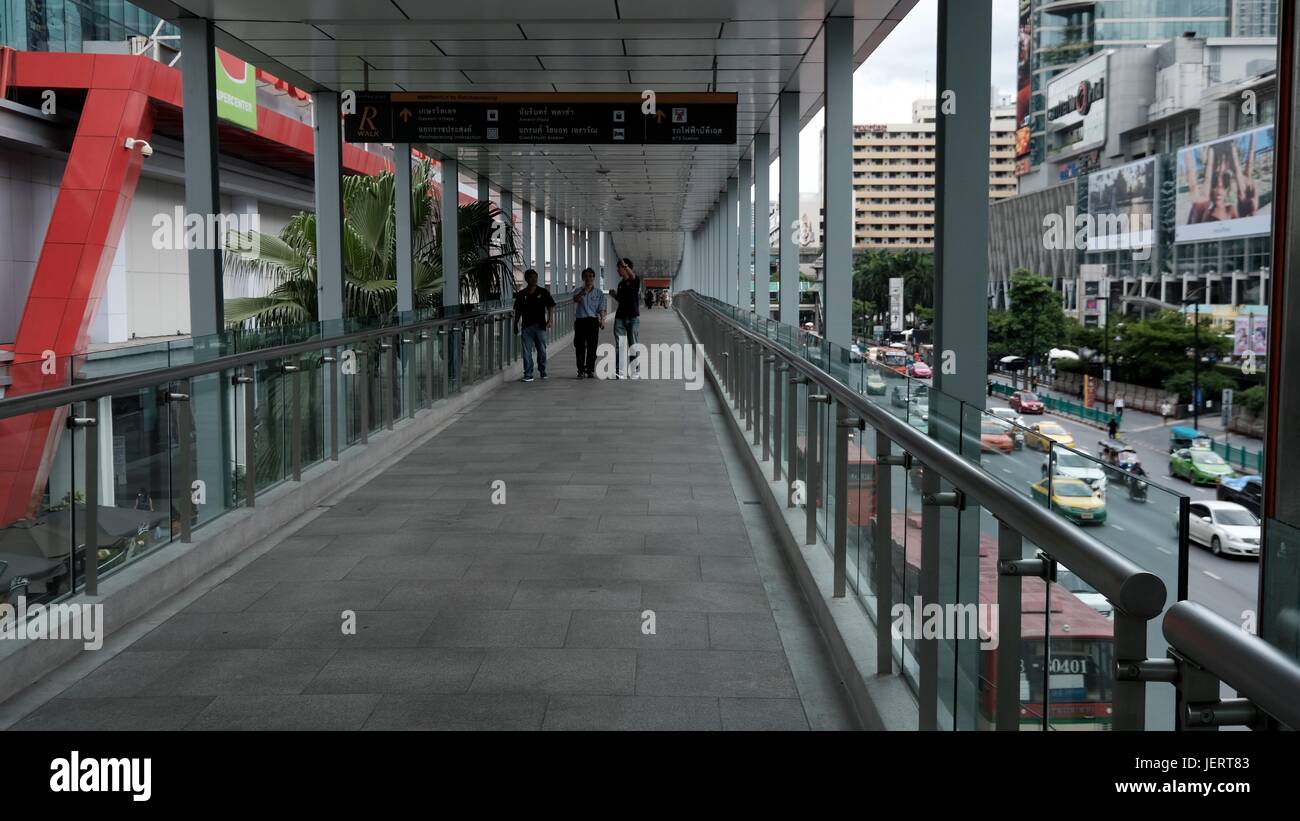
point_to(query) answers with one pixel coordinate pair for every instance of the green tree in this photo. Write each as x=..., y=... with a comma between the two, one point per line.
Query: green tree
x=1036, y=321
x=1152, y=351
x=288, y=259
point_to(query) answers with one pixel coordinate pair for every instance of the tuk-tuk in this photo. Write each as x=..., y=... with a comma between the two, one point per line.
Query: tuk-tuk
x=1184, y=437
x=1117, y=456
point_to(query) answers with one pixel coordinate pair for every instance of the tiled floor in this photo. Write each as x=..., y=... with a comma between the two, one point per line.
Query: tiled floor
x=532, y=614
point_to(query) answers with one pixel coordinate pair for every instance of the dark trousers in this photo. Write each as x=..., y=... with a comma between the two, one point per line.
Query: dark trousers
x=586, y=333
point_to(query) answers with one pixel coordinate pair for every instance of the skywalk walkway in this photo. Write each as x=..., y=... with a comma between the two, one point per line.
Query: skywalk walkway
x=625, y=581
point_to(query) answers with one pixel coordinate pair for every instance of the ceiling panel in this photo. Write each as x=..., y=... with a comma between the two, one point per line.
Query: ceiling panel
x=646, y=195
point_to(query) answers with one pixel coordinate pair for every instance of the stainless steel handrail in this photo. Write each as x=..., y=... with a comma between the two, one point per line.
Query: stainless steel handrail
x=1257, y=670
x=94, y=389
x=1137, y=592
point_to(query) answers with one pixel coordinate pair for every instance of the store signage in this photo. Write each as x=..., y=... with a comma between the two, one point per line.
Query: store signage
x=540, y=118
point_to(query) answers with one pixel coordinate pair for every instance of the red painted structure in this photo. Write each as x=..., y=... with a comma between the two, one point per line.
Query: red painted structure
x=122, y=96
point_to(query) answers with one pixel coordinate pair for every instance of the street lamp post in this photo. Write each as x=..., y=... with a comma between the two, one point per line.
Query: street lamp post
x=1196, y=355
x=1105, y=356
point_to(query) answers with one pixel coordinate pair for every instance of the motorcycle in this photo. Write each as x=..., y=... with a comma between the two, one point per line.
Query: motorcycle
x=1137, y=489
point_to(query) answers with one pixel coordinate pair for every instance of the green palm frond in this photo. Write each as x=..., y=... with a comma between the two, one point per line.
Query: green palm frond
x=486, y=255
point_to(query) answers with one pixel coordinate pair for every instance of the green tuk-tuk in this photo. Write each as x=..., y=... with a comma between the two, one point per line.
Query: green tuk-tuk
x=1185, y=437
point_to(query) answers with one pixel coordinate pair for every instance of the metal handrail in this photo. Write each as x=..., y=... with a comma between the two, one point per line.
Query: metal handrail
x=1257, y=670
x=94, y=389
x=1135, y=591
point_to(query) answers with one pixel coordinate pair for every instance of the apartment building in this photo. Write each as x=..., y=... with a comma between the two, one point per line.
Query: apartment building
x=893, y=175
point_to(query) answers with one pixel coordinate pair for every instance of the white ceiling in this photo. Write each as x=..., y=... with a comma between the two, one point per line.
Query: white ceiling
x=756, y=48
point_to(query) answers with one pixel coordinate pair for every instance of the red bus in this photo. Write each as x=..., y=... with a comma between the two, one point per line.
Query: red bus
x=1079, y=676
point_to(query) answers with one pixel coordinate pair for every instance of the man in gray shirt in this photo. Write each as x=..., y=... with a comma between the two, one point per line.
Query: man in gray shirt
x=589, y=319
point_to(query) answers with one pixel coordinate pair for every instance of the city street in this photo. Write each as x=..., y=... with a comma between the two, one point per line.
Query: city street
x=1144, y=532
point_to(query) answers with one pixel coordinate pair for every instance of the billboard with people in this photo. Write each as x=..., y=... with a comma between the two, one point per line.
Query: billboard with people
x=1121, y=203
x=1225, y=187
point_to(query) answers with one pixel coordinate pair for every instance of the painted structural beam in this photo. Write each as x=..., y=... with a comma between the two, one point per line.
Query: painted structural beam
x=762, y=239
x=402, y=227
x=202, y=185
x=788, y=123
x=450, y=233
x=837, y=158
x=329, y=206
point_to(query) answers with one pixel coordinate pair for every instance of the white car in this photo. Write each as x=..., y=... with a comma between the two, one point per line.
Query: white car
x=1224, y=527
x=1085, y=592
x=1075, y=466
x=1010, y=415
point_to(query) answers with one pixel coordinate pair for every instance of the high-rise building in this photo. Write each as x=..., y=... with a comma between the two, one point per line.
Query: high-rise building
x=1054, y=37
x=893, y=175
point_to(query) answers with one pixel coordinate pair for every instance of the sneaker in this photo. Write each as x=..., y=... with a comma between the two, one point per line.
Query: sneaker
x=528, y=378
x=544, y=376
x=581, y=375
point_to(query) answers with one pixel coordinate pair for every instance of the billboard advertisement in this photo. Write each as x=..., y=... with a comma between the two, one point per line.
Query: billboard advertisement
x=895, y=303
x=236, y=90
x=1122, y=206
x=1025, y=38
x=1250, y=335
x=1225, y=187
x=1076, y=109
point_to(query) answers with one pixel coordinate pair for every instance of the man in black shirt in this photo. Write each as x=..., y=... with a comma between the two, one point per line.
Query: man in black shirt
x=627, y=319
x=534, y=310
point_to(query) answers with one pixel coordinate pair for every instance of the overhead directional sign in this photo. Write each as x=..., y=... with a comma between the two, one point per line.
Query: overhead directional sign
x=692, y=118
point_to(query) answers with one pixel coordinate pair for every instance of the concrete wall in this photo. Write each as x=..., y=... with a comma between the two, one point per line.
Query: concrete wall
x=29, y=184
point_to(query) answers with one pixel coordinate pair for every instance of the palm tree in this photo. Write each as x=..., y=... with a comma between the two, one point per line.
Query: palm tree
x=288, y=260
x=487, y=251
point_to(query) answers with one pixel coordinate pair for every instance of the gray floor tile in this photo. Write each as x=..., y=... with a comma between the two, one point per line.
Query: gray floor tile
x=630, y=629
x=576, y=595
x=99, y=714
x=247, y=672
x=470, y=711
x=368, y=628
x=708, y=597
x=557, y=671
x=419, y=594
x=763, y=714
x=398, y=670
x=744, y=631
x=294, y=597
x=632, y=713
x=497, y=628
x=215, y=631
x=300, y=712
x=713, y=673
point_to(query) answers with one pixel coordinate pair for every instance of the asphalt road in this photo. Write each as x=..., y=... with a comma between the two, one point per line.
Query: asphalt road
x=1144, y=532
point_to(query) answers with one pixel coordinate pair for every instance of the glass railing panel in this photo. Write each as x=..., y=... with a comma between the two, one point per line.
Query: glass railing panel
x=208, y=415
x=860, y=517
x=314, y=409
x=272, y=438
x=37, y=557
x=1139, y=520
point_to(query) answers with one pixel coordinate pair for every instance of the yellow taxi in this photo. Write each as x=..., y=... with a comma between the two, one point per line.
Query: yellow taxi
x=1073, y=499
x=1041, y=435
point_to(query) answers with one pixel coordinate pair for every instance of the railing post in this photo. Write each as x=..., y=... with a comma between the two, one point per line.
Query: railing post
x=389, y=380
x=845, y=425
x=329, y=361
x=363, y=388
x=814, y=463
x=295, y=425
x=89, y=422
x=410, y=384
x=764, y=412
x=778, y=396
x=1129, y=707
x=250, y=455
x=792, y=439
x=186, y=468
x=447, y=338
x=883, y=539
x=1010, y=549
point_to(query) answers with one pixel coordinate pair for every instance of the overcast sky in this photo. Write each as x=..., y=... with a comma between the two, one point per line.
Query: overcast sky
x=900, y=71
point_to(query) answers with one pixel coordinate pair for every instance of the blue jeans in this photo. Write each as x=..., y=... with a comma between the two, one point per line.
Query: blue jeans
x=625, y=334
x=534, y=336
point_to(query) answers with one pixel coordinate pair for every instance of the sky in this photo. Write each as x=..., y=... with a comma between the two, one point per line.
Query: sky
x=885, y=86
